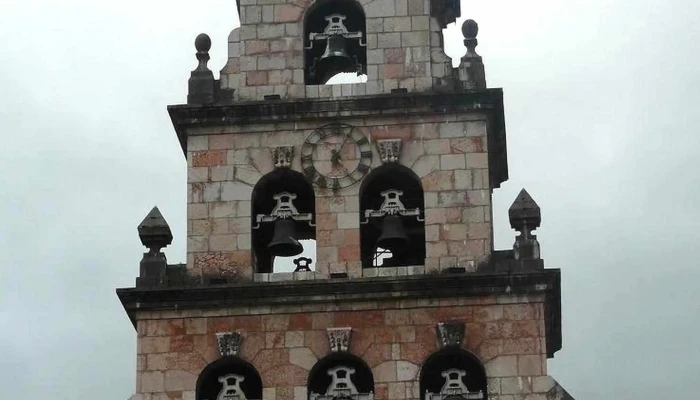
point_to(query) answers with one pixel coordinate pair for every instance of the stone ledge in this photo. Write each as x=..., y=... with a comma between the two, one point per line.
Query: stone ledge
x=477, y=284
x=399, y=105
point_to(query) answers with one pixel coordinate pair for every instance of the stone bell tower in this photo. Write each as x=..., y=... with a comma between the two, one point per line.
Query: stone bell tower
x=340, y=243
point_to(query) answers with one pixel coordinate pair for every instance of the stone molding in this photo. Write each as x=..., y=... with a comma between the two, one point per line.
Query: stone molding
x=450, y=333
x=229, y=343
x=339, y=338
x=389, y=150
x=282, y=156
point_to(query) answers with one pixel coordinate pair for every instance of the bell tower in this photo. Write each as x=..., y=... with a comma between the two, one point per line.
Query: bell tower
x=340, y=243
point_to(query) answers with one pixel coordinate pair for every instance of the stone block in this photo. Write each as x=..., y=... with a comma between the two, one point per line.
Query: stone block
x=502, y=366
x=516, y=385
x=235, y=191
x=530, y=365
x=401, y=7
x=287, y=13
x=180, y=380
x=269, y=62
x=381, y=8
x=222, y=243
x=197, y=143
x=150, y=382
x=251, y=14
x=222, y=173
x=348, y=220
x=268, y=14
x=211, y=192
x=411, y=39
x=385, y=372
x=452, y=161
x=269, y=31
x=420, y=23
x=452, y=130
x=197, y=174
x=477, y=160
x=543, y=384
x=302, y=357
x=397, y=24
x=388, y=40
x=197, y=243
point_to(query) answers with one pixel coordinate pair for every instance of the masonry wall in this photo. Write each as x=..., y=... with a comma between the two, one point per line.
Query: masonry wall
x=404, y=50
x=394, y=338
x=447, y=152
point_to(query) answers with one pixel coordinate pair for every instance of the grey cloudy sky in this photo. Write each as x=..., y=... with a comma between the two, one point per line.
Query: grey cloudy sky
x=602, y=119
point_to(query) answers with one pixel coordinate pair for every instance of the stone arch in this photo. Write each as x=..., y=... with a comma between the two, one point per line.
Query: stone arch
x=315, y=21
x=263, y=201
x=456, y=364
x=399, y=177
x=332, y=372
x=232, y=374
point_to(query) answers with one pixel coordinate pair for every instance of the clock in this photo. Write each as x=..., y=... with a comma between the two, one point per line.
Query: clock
x=335, y=156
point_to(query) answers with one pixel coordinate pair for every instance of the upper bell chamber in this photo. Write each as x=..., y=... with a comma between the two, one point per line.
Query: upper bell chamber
x=290, y=50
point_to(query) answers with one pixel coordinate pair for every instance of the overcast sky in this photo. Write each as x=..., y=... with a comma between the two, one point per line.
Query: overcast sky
x=602, y=123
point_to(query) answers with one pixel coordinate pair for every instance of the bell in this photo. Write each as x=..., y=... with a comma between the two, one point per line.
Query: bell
x=335, y=59
x=283, y=241
x=393, y=237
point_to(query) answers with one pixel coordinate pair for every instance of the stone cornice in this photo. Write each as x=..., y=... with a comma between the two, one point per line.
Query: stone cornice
x=545, y=282
x=489, y=102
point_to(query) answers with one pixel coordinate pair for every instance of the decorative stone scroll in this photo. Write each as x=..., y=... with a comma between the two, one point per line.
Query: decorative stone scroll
x=450, y=333
x=229, y=343
x=282, y=156
x=339, y=338
x=389, y=150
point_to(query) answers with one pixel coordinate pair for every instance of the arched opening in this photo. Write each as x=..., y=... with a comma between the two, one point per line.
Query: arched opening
x=408, y=227
x=283, y=214
x=339, y=376
x=229, y=376
x=452, y=373
x=334, y=40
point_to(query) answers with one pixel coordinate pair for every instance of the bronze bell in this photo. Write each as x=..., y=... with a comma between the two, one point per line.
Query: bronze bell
x=336, y=58
x=393, y=237
x=284, y=242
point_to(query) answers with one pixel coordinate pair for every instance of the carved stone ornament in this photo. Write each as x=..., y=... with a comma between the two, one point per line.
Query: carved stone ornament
x=229, y=343
x=450, y=333
x=339, y=338
x=389, y=150
x=454, y=387
x=282, y=156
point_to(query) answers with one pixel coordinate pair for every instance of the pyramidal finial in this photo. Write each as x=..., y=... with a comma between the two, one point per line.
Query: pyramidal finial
x=524, y=209
x=525, y=217
x=154, y=231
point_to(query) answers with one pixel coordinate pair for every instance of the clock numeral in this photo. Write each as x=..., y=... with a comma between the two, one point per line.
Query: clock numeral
x=310, y=172
x=362, y=141
x=321, y=181
x=366, y=154
x=306, y=158
x=322, y=133
x=363, y=168
x=336, y=184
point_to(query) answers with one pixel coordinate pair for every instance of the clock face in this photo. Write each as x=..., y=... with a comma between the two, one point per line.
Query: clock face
x=335, y=156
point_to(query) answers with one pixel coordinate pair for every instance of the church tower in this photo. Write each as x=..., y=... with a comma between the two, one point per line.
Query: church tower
x=340, y=243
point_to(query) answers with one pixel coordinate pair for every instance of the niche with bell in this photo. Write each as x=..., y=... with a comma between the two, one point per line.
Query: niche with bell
x=283, y=210
x=341, y=376
x=229, y=378
x=392, y=228
x=453, y=374
x=334, y=40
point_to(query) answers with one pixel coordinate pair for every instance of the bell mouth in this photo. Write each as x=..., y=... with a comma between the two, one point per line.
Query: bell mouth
x=292, y=248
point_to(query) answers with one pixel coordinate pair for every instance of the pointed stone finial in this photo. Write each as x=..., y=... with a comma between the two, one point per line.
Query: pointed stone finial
x=201, y=83
x=471, y=71
x=154, y=231
x=155, y=234
x=525, y=217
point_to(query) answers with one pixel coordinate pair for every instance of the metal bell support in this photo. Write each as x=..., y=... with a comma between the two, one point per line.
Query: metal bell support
x=284, y=241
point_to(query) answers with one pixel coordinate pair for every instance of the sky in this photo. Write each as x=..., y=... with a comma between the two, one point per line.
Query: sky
x=600, y=102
